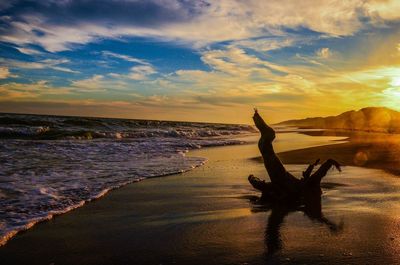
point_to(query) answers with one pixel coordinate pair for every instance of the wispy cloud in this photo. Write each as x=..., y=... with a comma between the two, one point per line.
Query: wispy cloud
x=98, y=83
x=15, y=91
x=287, y=57
x=141, y=72
x=138, y=72
x=55, y=64
x=125, y=57
x=57, y=26
x=267, y=44
x=28, y=51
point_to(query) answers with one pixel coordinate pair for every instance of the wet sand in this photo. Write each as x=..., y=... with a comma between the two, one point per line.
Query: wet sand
x=205, y=217
x=370, y=150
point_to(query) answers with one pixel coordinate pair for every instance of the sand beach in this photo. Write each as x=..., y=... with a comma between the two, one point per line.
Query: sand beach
x=206, y=216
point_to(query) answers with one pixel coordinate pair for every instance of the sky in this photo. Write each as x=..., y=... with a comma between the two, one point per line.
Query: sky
x=211, y=61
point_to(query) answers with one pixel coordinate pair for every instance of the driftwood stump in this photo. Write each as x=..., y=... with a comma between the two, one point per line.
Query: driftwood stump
x=284, y=186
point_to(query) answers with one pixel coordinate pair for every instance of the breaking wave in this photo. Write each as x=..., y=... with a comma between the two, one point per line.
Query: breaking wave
x=52, y=164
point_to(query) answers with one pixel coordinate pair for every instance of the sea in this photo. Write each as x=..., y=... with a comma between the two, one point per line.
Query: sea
x=50, y=165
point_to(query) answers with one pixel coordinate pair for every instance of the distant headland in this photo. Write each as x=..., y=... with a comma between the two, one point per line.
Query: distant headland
x=370, y=119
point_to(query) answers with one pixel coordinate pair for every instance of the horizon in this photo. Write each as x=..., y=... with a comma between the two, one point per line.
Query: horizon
x=201, y=121
x=198, y=61
x=117, y=118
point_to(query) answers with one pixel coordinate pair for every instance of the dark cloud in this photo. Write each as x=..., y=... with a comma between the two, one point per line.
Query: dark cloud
x=129, y=12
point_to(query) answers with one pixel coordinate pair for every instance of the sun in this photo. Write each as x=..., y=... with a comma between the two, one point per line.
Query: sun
x=395, y=81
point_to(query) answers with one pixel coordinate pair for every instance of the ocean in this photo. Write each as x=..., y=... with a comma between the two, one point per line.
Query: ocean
x=53, y=164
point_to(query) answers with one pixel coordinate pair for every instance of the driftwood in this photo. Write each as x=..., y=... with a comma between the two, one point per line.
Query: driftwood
x=284, y=186
x=285, y=193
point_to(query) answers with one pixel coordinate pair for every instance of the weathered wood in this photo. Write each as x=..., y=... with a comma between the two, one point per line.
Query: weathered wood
x=283, y=185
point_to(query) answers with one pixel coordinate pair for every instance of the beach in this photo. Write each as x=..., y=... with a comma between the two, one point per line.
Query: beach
x=230, y=132
x=363, y=149
x=207, y=216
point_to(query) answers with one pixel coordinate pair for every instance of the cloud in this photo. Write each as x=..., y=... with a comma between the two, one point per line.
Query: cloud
x=141, y=72
x=138, y=72
x=59, y=25
x=43, y=64
x=236, y=62
x=383, y=9
x=266, y=44
x=28, y=51
x=5, y=73
x=324, y=53
x=307, y=83
x=125, y=57
x=37, y=89
x=98, y=83
x=366, y=75
x=291, y=56
x=238, y=77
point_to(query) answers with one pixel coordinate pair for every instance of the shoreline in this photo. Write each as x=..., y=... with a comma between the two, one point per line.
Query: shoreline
x=154, y=221
x=8, y=236
x=250, y=139
x=368, y=150
x=49, y=234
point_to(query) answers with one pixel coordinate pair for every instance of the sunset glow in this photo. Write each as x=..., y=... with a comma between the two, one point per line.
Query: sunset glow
x=396, y=81
x=198, y=60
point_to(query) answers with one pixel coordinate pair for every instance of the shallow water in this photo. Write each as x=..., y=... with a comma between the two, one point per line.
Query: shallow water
x=358, y=222
x=205, y=216
x=361, y=222
x=51, y=164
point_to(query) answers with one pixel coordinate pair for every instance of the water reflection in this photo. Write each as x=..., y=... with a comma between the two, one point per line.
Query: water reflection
x=310, y=206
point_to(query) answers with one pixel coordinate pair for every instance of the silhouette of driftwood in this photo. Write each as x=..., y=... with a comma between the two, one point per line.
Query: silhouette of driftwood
x=284, y=186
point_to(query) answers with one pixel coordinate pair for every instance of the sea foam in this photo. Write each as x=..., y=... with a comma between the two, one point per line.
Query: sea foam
x=51, y=165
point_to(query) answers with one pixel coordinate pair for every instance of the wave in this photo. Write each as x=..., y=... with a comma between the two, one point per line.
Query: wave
x=51, y=164
x=46, y=133
x=7, y=232
x=34, y=127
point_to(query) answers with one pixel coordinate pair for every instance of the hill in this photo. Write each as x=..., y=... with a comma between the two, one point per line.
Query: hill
x=370, y=119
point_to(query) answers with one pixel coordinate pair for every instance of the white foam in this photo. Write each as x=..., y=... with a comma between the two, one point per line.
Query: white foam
x=43, y=178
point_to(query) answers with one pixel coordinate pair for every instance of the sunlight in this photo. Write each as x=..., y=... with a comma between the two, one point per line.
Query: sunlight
x=198, y=132
x=395, y=81
x=394, y=91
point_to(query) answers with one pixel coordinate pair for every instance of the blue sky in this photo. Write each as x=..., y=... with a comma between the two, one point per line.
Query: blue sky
x=198, y=60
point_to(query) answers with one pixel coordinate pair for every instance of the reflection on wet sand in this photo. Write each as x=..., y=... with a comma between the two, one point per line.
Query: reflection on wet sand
x=371, y=150
x=311, y=207
x=359, y=208
x=201, y=217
